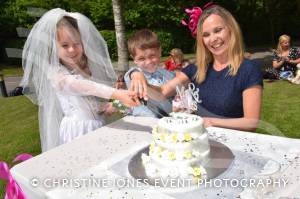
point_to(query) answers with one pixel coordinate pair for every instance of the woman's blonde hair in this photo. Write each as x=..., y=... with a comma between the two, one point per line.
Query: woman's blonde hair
x=177, y=55
x=236, y=48
x=282, y=39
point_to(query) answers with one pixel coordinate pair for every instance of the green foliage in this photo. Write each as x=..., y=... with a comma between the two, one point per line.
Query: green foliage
x=101, y=13
x=15, y=43
x=261, y=21
x=151, y=14
x=175, y=39
x=110, y=38
x=166, y=41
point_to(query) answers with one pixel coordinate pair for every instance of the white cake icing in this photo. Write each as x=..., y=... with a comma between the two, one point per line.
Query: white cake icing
x=179, y=148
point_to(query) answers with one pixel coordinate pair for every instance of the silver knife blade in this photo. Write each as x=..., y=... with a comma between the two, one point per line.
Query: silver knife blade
x=155, y=108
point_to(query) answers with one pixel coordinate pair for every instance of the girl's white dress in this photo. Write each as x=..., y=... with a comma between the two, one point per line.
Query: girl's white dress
x=80, y=108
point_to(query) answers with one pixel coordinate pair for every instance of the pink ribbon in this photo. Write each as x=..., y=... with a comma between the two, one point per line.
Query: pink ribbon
x=13, y=191
x=194, y=15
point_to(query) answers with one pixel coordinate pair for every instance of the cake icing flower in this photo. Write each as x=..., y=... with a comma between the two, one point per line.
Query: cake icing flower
x=162, y=137
x=174, y=138
x=187, y=137
x=187, y=154
x=195, y=171
x=172, y=156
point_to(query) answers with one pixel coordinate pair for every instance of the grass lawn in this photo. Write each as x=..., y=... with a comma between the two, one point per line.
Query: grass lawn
x=281, y=109
x=11, y=70
x=18, y=130
x=19, y=121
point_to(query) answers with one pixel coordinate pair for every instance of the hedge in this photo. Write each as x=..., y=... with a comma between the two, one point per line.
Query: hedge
x=168, y=39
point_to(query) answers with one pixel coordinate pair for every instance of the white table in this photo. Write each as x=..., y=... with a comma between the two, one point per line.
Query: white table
x=103, y=155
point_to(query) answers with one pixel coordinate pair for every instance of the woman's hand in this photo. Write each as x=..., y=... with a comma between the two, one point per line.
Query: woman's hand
x=139, y=85
x=286, y=59
x=207, y=122
x=278, y=63
x=128, y=98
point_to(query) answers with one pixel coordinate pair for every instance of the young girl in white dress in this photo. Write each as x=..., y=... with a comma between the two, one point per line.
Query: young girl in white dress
x=66, y=67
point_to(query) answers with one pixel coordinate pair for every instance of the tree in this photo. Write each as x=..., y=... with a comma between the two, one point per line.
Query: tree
x=271, y=24
x=120, y=35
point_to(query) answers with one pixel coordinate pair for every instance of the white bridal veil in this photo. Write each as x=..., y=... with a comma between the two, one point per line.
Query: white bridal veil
x=41, y=63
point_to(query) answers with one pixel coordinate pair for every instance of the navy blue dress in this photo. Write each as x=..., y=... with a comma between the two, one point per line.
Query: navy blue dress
x=222, y=94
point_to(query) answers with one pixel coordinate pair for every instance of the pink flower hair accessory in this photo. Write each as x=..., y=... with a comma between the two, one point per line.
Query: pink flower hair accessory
x=194, y=15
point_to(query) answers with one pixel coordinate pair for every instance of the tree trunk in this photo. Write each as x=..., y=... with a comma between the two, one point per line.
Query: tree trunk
x=120, y=36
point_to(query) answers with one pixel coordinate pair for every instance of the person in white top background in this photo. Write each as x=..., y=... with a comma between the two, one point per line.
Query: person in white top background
x=67, y=69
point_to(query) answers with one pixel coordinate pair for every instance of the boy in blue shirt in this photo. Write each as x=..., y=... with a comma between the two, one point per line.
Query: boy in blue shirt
x=144, y=48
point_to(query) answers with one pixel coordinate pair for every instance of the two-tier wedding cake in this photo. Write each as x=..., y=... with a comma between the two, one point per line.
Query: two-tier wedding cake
x=179, y=148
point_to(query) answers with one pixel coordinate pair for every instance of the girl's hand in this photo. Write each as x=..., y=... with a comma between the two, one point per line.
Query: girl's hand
x=128, y=98
x=139, y=85
x=109, y=109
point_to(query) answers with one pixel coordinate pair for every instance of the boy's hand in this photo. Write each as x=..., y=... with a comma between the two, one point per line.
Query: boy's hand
x=139, y=85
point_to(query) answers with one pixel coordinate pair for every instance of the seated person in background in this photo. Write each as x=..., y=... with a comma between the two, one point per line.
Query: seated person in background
x=175, y=61
x=285, y=58
x=247, y=55
x=296, y=79
x=144, y=48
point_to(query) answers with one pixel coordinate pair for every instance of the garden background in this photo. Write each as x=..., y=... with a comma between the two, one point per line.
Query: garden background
x=261, y=21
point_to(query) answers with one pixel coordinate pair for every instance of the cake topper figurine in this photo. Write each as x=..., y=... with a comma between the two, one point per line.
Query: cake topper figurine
x=186, y=99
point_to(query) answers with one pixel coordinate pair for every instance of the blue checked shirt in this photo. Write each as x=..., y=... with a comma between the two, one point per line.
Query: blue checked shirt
x=158, y=78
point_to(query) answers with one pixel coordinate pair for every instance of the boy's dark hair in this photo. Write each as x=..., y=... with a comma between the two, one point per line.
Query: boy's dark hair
x=142, y=39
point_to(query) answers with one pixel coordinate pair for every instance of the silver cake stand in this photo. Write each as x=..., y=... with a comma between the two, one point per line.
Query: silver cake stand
x=219, y=161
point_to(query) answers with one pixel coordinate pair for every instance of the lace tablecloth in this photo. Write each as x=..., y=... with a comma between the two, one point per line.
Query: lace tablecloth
x=95, y=166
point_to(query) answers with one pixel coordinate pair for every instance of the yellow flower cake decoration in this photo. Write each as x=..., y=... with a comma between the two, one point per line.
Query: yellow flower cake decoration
x=172, y=156
x=187, y=137
x=187, y=154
